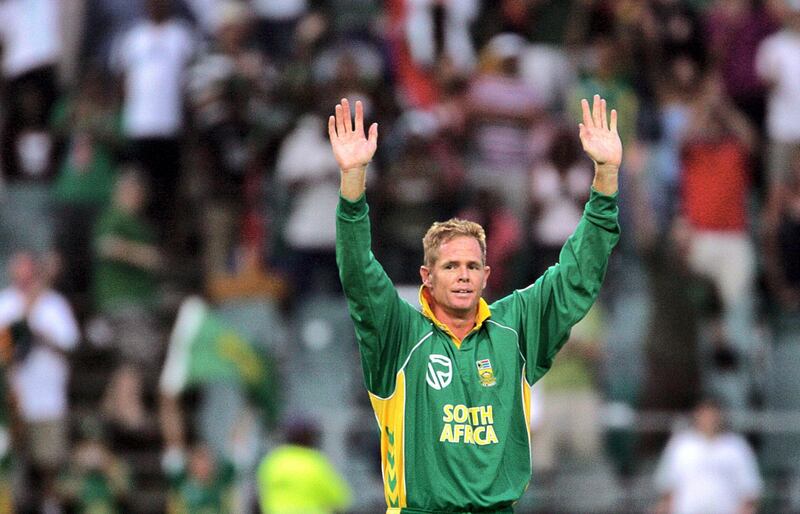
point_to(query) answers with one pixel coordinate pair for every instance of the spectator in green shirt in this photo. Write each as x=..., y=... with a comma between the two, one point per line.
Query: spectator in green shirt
x=96, y=481
x=87, y=121
x=125, y=287
x=200, y=483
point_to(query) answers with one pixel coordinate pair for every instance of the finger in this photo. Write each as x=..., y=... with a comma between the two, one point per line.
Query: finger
x=614, y=121
x=348, y=120
x=587, y=117
x=582, y=134
x=359, y=118
x=339, y=120
x=331, y=127
x=373, y=134
x=596, y=112
x=603, y=113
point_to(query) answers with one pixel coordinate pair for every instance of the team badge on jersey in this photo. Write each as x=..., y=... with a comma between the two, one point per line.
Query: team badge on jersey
x=485, y=372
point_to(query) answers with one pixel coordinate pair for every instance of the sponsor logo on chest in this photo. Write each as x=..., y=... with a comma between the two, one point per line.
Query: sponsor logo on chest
x=440, y=371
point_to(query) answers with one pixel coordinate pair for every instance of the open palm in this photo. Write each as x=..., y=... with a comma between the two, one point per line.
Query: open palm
x=599, y=137
x=351, y=147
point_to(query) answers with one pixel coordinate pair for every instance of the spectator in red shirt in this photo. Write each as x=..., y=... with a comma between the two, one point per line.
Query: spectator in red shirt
x=715, y=184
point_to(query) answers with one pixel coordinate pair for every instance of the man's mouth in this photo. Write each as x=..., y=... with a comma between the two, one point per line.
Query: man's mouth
x=462, y=291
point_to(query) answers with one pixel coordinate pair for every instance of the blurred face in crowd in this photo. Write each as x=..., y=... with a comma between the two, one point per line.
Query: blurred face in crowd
x=708, y=419
x=130, y=194
x=158, y=10
x=23, y=270
x=606, y=57
x=515, y=11
x=201, y=464
x=232, y=35
x=457, y=276
x=684, y=72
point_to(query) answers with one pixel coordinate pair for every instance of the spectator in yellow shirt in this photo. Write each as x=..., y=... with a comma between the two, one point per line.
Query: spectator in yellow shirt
x=296, y=478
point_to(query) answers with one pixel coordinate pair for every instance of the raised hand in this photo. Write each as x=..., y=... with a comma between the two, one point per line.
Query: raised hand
x=599, y=138
x=351, y=148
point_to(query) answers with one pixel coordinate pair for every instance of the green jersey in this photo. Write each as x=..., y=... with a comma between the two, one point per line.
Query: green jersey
x=454, y=414
x=120, y=284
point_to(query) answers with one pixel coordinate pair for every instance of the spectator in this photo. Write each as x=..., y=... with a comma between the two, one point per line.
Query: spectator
x=782, y=241
x=502, y=111
x=437, y=31
x=559, y=188
x=29, y=35
x=571, y=405
x=199, y=482
x=715, y=186
x=735, y=28
x=675, y=90
x=88, y=120
x=96, y=480
x=295, y=477
x=679, y=29
x=308, y=171
x=229, y=86
x=277, y=22
x=416, y=189
x=549, y=25
x=43, y=330
x=152, y=57
x=671, y=381
x=605, y=75
x=708, y=469
x=125, y=288
x=778, y=65
x=350, y=67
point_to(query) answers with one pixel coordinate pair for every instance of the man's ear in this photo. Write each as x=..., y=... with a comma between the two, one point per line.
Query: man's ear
x=486, y=276
x=425, y=275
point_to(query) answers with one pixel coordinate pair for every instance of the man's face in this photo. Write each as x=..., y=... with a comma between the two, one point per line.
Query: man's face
x=457, y=279
x=708, y=419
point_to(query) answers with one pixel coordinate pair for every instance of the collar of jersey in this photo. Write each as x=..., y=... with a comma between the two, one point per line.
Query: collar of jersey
x=482, y=315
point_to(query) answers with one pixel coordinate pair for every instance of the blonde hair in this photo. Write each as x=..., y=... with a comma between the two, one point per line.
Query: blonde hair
x=443, y=231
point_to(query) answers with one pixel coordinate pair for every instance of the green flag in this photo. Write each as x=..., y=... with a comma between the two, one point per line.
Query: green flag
x=205, y=349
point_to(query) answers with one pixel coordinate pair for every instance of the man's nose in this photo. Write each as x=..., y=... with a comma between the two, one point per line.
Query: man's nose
x=463, y=274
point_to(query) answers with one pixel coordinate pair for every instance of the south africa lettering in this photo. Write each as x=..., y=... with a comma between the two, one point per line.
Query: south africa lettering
x=468, y=425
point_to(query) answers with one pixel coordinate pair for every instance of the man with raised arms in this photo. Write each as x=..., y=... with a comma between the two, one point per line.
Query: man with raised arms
x=450, y=382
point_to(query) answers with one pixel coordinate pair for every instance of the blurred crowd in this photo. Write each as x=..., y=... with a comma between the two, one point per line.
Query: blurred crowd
x=154, y=150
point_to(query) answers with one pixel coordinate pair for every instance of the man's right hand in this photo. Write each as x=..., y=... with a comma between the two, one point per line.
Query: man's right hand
x=352, y=149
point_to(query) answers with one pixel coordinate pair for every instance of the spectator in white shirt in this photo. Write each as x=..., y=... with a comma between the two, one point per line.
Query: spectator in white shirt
x=153, y=57
x=778, y=65
x=307, y=170
x=707, y=470
x=31, y=47
x=43, y=329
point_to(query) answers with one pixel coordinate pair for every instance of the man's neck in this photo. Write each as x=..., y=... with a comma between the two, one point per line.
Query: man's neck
x=458, y=323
